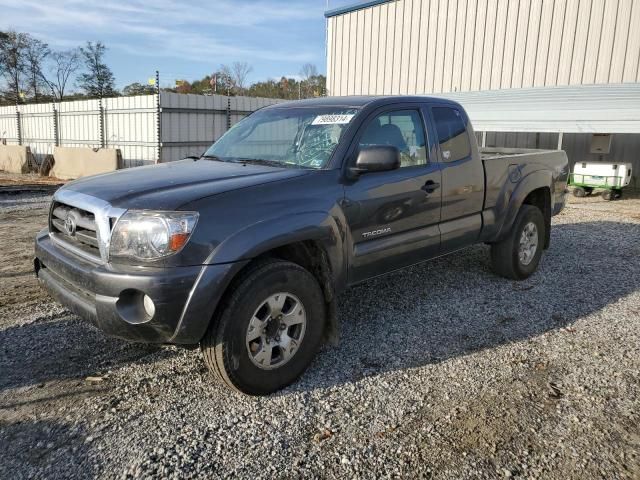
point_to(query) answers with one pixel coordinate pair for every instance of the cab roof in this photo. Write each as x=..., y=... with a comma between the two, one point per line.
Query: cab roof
x=359, y=101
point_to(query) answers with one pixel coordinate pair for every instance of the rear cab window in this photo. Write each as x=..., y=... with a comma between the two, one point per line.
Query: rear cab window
x=452, y=134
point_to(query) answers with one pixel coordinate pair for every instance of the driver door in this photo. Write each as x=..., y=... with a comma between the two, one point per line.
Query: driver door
x=393, y=216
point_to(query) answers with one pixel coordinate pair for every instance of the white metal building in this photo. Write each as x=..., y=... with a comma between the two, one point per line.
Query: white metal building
x=432, y=46
x=540, y=68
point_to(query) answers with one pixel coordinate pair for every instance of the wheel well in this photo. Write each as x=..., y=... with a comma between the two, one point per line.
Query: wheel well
x=541, y=198
x=312, y=257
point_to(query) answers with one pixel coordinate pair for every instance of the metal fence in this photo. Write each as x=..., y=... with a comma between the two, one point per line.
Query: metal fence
x=146, y=129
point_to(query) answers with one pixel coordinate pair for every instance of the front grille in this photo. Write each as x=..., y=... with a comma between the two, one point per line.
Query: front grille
x=74, y=226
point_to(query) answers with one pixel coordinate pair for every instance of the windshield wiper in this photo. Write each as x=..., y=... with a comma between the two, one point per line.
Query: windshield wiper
x=212, y=157
x=262, y=161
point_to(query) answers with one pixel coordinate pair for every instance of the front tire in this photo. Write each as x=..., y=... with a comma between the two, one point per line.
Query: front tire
x=267, y=330
x=517, y=256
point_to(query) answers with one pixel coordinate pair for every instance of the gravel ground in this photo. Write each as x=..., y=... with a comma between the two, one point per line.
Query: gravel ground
x=443, y=371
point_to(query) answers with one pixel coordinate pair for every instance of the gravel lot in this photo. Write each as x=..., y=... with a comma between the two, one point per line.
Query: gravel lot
x=443, y=371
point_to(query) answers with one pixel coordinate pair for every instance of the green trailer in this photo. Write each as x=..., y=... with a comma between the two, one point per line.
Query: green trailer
x=584, y=185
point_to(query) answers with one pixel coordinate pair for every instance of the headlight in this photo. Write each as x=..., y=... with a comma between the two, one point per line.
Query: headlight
x=148, y=235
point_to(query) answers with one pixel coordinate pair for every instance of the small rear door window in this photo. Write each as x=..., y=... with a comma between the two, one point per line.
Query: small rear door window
x=452, y=134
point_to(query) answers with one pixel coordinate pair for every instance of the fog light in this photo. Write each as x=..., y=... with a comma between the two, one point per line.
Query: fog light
x=149, y=306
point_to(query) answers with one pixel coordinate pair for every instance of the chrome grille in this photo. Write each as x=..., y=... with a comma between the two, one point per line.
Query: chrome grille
x=92, y=219
x=75, y=226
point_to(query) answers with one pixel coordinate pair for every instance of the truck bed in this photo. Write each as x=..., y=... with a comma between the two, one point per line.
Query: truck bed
x=505, y=166
x=490, y=153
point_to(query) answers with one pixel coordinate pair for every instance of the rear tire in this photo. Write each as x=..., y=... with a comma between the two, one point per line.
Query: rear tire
x=517, y=256
x=579, y=192
x=258, y=342
x=608, y=195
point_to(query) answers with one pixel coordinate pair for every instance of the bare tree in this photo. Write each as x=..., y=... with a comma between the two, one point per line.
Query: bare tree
x=12, y=61
x=309, y=80
x=62, y=66
x=35, y=54
x=98, y=80
x=239, y=73
x=308, y=71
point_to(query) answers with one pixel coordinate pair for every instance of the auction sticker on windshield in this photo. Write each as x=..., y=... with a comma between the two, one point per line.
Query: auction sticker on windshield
x=332, y=119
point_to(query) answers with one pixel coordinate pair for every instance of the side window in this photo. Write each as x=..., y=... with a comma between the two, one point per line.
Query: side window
x=452, y=134
x=402, y=129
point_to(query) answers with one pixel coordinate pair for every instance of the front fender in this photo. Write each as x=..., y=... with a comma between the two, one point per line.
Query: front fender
x=266, y=235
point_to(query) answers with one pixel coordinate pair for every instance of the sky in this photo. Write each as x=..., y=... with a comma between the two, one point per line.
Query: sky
x=182, y=39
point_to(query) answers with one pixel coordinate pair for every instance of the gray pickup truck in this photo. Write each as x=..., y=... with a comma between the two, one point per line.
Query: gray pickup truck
x=244, y=249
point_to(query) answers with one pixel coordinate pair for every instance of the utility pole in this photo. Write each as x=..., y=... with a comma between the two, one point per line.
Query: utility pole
x=18, y=122
x=158, y=119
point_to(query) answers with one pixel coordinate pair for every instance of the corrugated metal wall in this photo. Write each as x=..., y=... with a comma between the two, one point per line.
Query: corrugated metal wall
x=433, y=46
x=129, y=124
x=189, y=123
x=611, y=108
x=624, y=147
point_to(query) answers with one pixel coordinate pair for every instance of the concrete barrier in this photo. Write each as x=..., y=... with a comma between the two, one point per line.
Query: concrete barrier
x=15, y=158
x=76, y=162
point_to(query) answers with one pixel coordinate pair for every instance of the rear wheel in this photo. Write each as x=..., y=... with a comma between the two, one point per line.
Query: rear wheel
x=517, y=256
x=268, y=330
x=579, y=192
x=608, y=195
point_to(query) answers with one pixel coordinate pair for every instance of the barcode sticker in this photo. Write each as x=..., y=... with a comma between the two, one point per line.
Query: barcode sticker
x=332, y=119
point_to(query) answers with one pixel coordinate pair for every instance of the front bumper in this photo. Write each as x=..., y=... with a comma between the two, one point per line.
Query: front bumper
x=185, y=298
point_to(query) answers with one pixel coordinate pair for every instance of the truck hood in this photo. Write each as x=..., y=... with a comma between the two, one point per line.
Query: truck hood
x=169, y=185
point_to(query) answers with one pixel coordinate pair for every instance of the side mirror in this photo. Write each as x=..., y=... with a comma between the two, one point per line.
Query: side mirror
x=378, y=158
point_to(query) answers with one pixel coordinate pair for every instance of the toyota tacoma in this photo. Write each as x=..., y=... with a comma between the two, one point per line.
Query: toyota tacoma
x=244, y=249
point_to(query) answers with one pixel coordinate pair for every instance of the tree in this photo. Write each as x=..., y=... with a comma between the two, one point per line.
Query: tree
x=308, y=71
x=62, y=66
x=182, y=86
x=225, y=79
x=138, y=89
x=35, y=54
x=13, y=61
x=203, y=86
x=98, y=80
x=312, y=84
x=239, y=73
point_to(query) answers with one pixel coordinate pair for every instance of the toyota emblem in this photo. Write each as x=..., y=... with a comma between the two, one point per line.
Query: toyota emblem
x=70, y=225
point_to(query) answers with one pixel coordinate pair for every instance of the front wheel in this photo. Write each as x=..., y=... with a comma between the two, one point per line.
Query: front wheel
x=517, y=256
x=268, y=329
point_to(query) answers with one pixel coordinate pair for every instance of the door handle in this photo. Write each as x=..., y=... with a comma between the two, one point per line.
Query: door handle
x=430, y=186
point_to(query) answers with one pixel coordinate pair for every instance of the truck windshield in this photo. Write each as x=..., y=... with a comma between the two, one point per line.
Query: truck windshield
x=290, y=137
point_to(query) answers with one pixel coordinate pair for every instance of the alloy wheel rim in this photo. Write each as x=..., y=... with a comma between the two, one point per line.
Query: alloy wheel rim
x=276, y=330
x=528, y=243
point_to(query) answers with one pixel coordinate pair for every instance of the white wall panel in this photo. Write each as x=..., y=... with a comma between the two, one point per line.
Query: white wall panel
x=432, y=30
x=417, y=40
x=190, y=123
x=478, y=44
x=433, y=46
